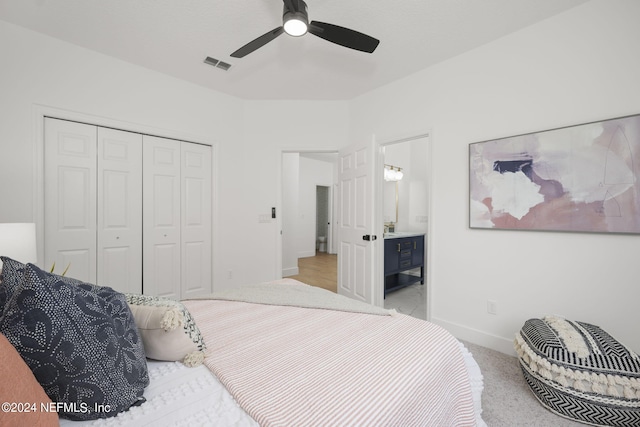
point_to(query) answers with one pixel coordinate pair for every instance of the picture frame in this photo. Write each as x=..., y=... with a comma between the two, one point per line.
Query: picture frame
x=582, y=178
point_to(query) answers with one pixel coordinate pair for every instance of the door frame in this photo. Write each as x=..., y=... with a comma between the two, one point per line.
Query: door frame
x=279, y=207
x=381, y=142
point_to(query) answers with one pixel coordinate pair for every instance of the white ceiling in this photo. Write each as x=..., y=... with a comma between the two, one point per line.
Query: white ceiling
x=174, y=37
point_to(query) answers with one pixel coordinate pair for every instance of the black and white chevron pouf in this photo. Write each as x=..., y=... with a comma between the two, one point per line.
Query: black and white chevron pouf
x=579, y=371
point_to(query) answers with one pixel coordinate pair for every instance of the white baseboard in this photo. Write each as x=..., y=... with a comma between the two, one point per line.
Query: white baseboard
x=306, y=254
x=293, y=271
x=494, y=342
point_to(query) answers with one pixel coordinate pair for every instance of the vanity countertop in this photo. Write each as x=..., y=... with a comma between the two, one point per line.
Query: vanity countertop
x=401, y=234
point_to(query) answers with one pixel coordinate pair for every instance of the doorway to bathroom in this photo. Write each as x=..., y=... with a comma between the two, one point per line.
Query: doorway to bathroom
x=406, y=206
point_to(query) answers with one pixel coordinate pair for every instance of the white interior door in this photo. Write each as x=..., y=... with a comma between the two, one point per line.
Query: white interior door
x=120, y=210
x=161, y=217
x=70, y=198
x=196, y=220
x=356, y=278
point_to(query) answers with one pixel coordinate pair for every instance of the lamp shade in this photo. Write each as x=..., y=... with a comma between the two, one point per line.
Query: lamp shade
x=18, y=241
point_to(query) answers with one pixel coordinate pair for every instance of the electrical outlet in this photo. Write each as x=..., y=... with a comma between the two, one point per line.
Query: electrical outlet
x=492, y=307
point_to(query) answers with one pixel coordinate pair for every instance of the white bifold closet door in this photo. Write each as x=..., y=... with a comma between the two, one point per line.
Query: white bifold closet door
x=70, y=192
x=195, y=201
x=119, y=210
x=177, y=218
x=126, y=210
x=93, y=204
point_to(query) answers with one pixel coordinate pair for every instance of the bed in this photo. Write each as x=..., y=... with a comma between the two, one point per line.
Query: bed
x=285, y=353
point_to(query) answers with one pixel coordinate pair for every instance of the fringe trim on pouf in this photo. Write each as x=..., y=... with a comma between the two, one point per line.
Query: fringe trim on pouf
x=610, y=385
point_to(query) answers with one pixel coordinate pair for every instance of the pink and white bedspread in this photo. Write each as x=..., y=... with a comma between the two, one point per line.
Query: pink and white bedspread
x=295, y=366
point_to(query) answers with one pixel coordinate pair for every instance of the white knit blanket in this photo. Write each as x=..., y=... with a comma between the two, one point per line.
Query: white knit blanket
x=290, y=292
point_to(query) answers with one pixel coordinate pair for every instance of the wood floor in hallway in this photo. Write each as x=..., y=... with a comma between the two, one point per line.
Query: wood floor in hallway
x=320, y=270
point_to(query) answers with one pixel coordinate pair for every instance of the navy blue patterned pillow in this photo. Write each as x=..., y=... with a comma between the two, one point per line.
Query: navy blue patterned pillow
x=80, y=341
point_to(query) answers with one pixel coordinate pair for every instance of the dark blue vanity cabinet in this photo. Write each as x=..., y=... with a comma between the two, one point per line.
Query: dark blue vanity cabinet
x=403, y=256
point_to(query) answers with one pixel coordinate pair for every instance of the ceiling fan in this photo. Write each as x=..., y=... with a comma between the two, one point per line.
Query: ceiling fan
x=295, y=22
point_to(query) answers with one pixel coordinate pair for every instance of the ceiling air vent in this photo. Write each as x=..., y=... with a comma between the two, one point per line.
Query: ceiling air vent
x=217, y=63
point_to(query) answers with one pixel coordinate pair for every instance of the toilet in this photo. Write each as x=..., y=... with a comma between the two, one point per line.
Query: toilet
x=322, y=244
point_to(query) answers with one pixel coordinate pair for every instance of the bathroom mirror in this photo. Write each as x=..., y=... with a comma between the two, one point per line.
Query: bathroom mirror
x=390, y=202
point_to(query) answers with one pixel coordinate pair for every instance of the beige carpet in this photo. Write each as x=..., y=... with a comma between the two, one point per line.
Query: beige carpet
x=506, y=399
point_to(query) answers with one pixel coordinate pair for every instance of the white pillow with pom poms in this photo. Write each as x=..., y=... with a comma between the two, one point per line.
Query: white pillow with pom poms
x=168, y=331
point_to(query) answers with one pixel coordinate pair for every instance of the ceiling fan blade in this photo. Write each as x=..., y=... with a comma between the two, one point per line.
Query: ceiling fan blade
x=343, y=36
x=257, y=43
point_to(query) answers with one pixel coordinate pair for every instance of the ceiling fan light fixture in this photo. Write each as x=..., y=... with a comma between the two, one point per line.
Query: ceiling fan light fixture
x=295, y=26
x=295, y=19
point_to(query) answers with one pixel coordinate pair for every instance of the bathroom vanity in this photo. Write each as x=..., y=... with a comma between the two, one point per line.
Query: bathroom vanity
x=403, y=260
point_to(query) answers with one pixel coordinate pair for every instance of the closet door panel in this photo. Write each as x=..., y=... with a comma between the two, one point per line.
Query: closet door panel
x=196, y=220
x=161, y=217
x=165, y=281
x=70, y=198
x=120, y=210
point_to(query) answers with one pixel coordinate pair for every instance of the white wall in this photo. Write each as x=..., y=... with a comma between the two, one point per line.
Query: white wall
x=248, y=137
x=271, y=128
x=418, y=191
x=577, y=67
x=39, y=70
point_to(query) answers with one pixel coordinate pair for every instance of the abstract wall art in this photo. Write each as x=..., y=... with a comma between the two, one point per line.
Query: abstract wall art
x=583, y=178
